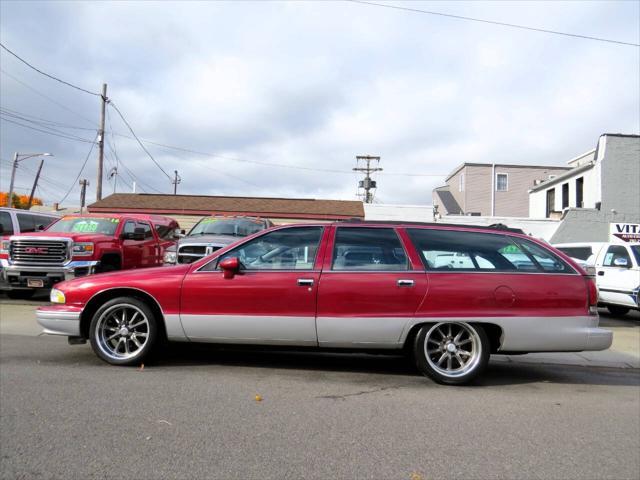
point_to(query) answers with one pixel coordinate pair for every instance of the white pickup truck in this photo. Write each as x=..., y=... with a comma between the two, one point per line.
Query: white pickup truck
x=617, y=267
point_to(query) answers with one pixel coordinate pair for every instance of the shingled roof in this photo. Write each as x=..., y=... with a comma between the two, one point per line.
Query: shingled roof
x=301, y=208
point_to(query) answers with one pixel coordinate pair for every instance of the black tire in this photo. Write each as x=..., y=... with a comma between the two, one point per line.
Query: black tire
x=446, y=342
x=616, y=310
x=20, y=294
x=128, y=343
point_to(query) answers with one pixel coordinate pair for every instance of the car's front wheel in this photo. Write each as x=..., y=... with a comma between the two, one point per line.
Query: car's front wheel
x=123, y=331
x=451, y=353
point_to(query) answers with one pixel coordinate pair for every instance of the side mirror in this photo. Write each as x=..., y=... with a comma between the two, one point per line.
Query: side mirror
x=177, y=233
x=230, y=266
x=621, y=262
x=40, y=227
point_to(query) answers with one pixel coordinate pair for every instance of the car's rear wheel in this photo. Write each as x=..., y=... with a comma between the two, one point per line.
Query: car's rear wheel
x=616, y=310
x=123, y=331
x=452, y=353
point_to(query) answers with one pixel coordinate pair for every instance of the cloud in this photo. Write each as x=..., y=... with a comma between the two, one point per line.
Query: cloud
x=312, y=85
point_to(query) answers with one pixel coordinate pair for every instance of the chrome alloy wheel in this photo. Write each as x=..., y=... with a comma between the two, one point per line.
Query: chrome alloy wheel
x=122, y=331
x=452, y=349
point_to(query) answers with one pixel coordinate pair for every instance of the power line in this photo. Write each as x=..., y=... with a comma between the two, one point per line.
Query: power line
x=47, y=97
x=46, y=126
x=75, y=181
x=42, y=121
x=48, y=75
x=68, y=137
x=493, y=22
x=138, y=140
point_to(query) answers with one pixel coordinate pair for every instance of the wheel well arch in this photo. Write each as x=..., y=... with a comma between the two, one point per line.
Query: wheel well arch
x=112, y=258
x=100, y=298
x=493, y=331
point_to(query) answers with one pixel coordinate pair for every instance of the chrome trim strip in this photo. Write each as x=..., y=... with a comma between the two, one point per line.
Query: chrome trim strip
x=499, y=272
x=614, y=290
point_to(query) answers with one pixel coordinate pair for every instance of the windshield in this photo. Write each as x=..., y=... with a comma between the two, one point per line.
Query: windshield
x=237, y=227
x=636, y=252
x=104, y=225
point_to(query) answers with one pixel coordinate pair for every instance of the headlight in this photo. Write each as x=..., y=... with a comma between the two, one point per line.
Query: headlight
x=4, y=247
x=82, y=248
x=56, y=296
x=169, y=257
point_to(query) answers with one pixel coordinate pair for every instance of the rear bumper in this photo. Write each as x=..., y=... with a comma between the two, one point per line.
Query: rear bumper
x=18, y=276
x=553, y=334
x=59, y=320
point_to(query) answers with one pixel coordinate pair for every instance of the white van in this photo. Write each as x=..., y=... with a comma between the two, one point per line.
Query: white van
x=617, y=267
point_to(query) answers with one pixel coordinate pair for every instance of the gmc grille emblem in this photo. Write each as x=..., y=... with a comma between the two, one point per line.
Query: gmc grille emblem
x=36, y=250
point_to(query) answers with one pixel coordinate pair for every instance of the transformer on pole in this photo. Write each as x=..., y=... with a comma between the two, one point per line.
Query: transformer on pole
x=367, y=184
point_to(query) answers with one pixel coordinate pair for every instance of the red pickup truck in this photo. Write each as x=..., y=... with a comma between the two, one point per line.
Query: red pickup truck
x=79, y=245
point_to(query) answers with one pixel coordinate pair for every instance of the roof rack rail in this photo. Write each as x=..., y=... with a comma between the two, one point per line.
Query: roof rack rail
x=493, y=226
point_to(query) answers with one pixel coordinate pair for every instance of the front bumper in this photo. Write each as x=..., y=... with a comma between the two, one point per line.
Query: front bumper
x=59, y=320
x=17, y=276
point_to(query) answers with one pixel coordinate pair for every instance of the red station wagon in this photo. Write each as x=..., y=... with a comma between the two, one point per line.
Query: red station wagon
x=451, y=295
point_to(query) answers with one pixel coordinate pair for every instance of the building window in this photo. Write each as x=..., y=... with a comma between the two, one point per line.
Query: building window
x=565, y=195
x=502, y=182
x=579, y=192
x=551, y=201
x=461, y=183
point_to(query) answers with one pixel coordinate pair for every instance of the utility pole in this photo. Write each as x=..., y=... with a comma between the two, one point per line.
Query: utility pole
x=83, y=191
x=18, y=157
x=367, y=184
x=176, y=180
x=35, y=184
x=103, y=105
x=13, y=177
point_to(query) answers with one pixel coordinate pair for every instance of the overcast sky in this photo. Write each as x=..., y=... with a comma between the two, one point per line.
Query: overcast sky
x=268, y=85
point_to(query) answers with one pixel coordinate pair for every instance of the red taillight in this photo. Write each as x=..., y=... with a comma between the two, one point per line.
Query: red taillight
x=592, y=288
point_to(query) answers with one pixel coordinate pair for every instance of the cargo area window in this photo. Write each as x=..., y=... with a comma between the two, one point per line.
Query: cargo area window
x=375, y=249
x=454, y=250
x=544, y=259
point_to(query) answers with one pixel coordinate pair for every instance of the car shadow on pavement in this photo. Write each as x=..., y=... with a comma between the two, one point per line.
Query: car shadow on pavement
x=498, y=373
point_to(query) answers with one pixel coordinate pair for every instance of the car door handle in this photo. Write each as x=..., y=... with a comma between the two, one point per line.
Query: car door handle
x=305, y=282
x=405, y=283
x=601, y=273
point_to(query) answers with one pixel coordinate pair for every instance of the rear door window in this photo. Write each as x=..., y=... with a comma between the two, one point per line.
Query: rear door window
x=7, y=225
x=370, y=249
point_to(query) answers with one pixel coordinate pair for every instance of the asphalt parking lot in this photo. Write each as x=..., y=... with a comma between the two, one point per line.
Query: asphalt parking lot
x=195, y=414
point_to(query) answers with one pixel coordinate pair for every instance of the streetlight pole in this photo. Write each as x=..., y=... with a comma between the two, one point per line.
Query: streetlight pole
x=18, y=157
